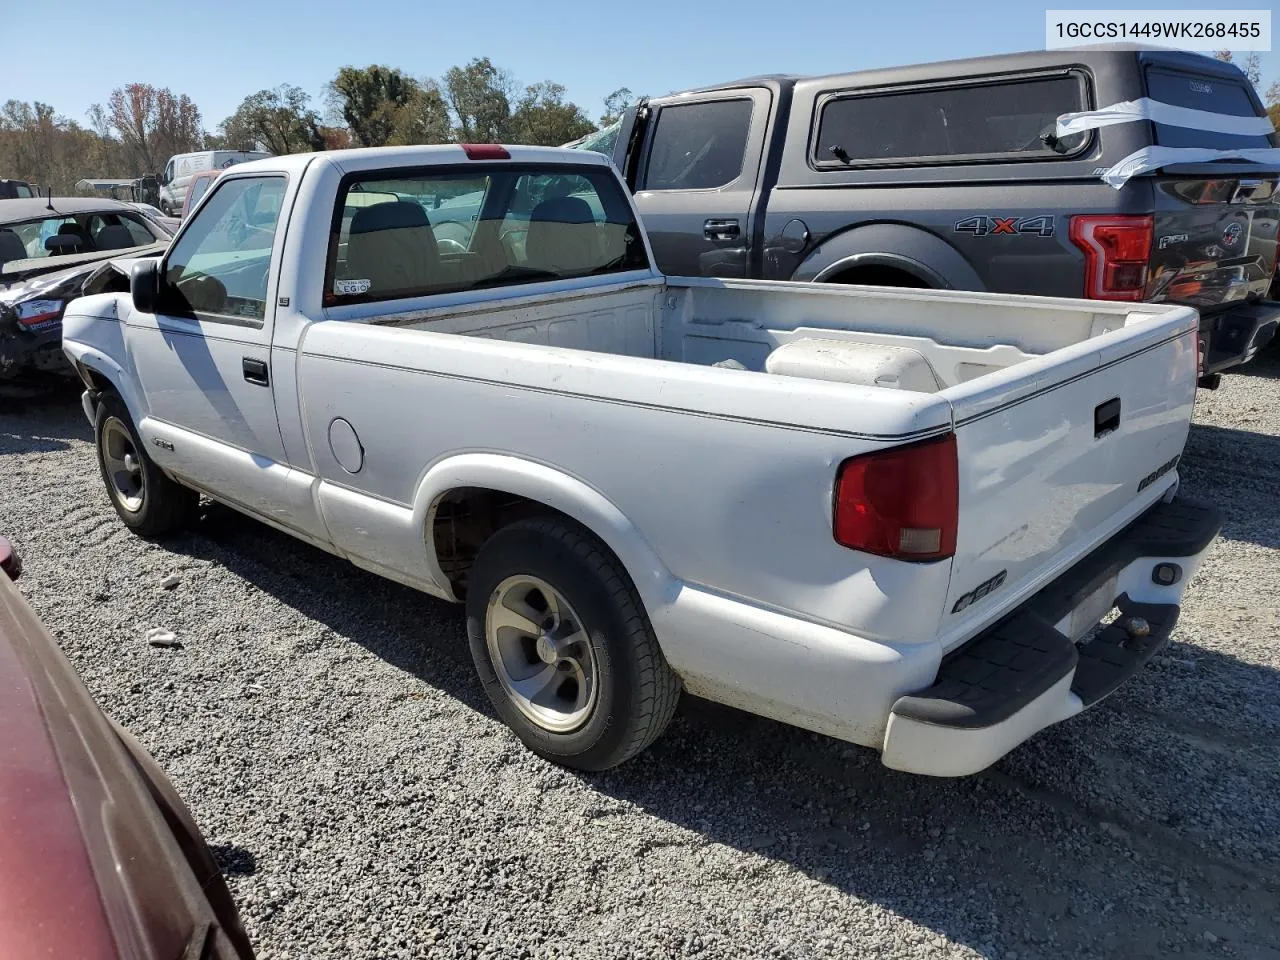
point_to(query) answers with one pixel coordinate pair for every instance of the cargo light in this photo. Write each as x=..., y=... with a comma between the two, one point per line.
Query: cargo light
x=1117, y=250
x=902, y=503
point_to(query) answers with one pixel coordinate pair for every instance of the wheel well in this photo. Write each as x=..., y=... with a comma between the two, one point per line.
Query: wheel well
x=878, y=275
x=463, y=519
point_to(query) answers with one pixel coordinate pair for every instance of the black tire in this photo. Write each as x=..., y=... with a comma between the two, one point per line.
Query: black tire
x=636, y=689
x=166, y=506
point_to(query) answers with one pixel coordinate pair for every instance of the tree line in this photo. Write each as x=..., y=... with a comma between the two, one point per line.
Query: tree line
x=140, y=126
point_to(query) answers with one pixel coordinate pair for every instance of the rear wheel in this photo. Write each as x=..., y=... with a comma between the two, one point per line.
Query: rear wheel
x=563, y=647
x=149, y=503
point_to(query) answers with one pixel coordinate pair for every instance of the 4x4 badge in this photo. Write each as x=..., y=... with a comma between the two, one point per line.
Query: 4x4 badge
x=1009, y=226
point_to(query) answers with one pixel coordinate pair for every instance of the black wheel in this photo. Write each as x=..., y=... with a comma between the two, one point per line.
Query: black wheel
x=149, y=503
x=563, y=646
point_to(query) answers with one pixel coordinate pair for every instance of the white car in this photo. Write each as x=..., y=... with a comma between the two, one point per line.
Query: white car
x=892, y=516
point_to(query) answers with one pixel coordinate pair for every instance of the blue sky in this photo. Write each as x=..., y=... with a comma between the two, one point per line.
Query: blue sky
x=217, y=53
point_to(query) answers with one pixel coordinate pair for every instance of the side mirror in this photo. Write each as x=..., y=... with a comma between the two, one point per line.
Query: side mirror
x=144, y=285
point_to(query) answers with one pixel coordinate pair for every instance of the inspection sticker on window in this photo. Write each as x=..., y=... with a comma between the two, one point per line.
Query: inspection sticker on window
x=349, y=287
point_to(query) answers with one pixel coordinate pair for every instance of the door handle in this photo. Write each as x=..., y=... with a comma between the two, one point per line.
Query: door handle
x=255, y=371
x=1106, y=417
x=721, y=230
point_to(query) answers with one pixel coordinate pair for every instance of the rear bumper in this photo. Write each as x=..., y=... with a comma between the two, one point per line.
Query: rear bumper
x=1026, y=673
x=1233, y=336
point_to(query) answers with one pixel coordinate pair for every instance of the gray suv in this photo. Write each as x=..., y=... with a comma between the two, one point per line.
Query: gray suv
x=952, y=175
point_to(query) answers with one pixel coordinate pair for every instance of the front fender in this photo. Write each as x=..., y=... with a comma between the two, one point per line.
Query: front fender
x=93, y=339
x=545, y=485
x=915, y=251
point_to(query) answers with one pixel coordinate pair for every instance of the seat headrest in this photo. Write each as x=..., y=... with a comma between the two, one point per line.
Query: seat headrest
x=392, y=215
x=563, y=210
x=11, y=246
x=114, y=237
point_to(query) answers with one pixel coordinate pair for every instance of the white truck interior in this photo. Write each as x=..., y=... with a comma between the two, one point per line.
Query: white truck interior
x=868, y=336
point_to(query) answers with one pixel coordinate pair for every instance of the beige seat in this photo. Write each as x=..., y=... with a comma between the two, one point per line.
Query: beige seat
x=563, y=237
x=392, y=246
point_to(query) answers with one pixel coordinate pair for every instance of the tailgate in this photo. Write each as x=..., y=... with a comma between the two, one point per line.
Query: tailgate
x=1215, y=237
x=1057, y=453
x=1215, y=225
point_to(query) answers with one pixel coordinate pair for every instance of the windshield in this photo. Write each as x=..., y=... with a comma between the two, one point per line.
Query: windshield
x=1210, y=93
x=601, y=141
x=68, y=234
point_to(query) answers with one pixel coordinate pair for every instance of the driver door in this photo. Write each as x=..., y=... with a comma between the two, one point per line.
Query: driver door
x=204, y=359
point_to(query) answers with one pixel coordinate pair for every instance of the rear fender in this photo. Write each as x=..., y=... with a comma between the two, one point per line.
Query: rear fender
x=570, y=496
x=897, y=245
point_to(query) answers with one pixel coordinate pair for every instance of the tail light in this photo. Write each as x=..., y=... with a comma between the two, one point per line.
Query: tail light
x=35, y=313
x=1117, y=250
x=903, y=502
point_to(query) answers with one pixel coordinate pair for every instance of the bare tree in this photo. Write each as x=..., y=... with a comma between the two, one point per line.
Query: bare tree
x=154, y=124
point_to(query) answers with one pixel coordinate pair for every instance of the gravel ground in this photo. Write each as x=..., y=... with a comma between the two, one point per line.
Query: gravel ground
x=328, y=733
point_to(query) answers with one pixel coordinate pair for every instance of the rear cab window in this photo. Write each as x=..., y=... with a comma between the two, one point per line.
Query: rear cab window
x=438, y=230
x=1200, y=92
x=1010, y=118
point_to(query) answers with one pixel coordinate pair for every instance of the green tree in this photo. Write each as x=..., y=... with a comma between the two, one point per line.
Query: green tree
x=280, y=121
x=480, y=95
x=370, y=100
x=615, y=104
x=545, y=118
x=424, y=118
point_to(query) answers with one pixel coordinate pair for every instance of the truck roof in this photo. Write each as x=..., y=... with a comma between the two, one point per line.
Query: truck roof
x=1011, y=62
x=365, y=158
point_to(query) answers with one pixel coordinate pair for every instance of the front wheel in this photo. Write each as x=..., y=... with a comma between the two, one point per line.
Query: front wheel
x=149, y=503
x=563, y=646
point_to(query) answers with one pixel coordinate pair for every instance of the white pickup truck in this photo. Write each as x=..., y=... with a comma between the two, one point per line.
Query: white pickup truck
x=896, y=517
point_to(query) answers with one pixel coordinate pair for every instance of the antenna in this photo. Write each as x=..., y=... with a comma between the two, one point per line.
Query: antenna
x=48, y=198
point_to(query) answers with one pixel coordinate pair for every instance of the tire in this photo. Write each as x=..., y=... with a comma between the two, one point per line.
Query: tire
x=632, y=691
x=149, y=503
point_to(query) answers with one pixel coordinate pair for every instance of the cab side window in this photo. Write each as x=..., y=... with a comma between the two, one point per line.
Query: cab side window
x=698, y=146
x=218, y=268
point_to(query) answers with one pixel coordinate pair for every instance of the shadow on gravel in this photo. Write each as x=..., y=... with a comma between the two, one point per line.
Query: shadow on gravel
x=1240, y=471
x=1266, y=363
x=41, y=420
x=234, y=861
x=408, y=629
x=1059, y=850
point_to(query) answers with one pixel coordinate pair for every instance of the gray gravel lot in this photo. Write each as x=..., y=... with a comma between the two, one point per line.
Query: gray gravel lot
x=326, y=728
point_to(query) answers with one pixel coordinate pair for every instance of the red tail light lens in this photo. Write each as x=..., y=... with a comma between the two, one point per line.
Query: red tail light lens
x=902, y=503
x=1117, y=250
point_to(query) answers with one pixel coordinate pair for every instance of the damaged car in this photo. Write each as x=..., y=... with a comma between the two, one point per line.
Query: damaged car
x=48, y=249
